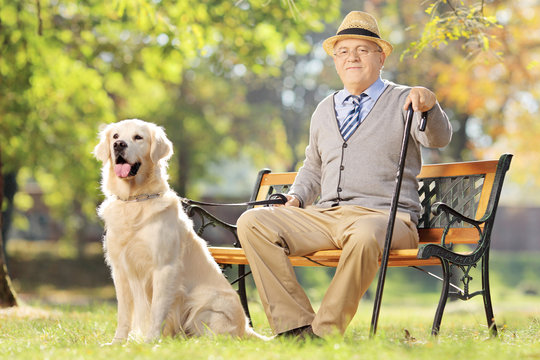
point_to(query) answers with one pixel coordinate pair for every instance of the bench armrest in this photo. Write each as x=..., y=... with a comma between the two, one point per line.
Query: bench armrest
x=208, y=219
x=454, y=216
x=443, y=250
x=440, y=207
x=435, y=250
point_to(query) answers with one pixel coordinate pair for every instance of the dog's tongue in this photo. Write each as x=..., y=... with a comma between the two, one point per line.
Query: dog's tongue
x=122, y=170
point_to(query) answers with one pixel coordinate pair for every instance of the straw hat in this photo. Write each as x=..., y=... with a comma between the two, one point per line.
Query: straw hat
x=357, y=25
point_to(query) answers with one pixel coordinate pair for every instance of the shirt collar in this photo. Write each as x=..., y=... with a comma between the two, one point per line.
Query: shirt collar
x=374, y=91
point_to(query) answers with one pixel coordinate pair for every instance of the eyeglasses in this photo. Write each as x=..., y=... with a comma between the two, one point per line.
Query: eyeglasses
x=343, y=53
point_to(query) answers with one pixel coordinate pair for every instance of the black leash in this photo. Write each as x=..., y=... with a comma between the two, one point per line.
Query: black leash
x=274, y=199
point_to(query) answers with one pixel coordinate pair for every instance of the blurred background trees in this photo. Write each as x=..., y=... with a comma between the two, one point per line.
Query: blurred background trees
x=69, y=66
x=234, y=84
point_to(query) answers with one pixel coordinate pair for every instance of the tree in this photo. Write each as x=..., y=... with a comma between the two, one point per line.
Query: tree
x=488, y=76
x=7, y=295
x=69, y=66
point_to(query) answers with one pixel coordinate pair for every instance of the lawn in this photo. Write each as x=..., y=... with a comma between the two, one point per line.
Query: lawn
x=78, y=332
x=72, y=319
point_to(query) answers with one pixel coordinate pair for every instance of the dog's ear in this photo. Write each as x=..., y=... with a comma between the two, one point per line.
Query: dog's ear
x=161, y=147
x=102, y=151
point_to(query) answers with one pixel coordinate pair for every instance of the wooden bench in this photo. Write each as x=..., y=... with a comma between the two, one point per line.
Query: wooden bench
x=459, y=202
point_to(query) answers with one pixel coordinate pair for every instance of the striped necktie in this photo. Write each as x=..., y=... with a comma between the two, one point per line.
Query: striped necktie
x=352, y=120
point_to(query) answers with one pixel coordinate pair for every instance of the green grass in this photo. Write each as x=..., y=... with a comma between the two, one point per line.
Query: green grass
x=79, y=332
x=71, y=313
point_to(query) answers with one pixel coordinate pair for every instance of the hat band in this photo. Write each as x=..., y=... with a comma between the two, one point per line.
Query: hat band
x=358, y=31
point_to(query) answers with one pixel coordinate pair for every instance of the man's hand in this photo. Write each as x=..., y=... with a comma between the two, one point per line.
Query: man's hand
x=291, y=201
x=422, y=99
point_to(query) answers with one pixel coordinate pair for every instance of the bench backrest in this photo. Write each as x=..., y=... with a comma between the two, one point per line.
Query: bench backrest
x=472, y=188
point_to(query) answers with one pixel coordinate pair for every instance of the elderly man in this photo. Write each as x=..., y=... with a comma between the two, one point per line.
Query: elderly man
x=350, y=166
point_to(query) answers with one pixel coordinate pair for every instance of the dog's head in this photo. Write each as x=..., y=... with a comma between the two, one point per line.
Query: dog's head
x=132, y=145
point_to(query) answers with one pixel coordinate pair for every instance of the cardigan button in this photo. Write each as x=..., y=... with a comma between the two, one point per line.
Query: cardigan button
x=339, y=189
x=344, y=145
x=342, y=168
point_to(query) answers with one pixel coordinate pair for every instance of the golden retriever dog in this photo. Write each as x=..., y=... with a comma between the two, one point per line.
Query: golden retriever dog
x=166, y=281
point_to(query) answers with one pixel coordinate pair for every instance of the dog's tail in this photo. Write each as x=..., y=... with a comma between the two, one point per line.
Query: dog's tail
x=250, y=333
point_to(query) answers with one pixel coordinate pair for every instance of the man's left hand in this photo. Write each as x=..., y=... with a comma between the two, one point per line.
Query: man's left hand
x=422, y=99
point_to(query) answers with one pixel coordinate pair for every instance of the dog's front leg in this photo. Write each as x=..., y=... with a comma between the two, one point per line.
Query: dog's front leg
x=125, y=306
x=165, y=283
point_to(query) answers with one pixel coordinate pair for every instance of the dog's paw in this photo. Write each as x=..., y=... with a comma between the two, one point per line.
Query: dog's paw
x=115, y=341
x=153, y=338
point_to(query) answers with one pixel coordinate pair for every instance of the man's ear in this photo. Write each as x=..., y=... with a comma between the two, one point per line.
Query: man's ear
x=383, y=59
x=161, y=147
x=102, y=151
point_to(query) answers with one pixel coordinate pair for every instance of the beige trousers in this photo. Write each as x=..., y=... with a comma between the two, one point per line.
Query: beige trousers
x=268, y=235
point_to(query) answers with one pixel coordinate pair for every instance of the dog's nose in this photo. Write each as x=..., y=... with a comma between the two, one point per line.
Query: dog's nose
x=119, y=145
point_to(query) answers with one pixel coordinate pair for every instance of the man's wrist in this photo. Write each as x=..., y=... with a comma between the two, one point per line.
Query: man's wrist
x=297, y=197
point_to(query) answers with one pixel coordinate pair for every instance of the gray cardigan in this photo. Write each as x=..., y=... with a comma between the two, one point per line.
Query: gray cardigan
x=362, y=171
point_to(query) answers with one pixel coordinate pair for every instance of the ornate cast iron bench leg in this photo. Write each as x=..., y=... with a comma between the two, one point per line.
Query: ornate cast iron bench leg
x=465, y=263
x=486, y=295
x=242, y=291
x=446, y=275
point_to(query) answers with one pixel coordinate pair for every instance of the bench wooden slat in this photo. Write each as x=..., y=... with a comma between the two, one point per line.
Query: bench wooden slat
x=458, y=169
x=278, y=178
x=427, y=171
x=405, y=257
x=484, y=197
x=455, y=235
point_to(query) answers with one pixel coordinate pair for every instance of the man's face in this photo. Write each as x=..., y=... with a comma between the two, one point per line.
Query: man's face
x=358, y=63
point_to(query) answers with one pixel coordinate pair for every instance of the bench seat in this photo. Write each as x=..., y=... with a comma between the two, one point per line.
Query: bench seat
x=405, y=257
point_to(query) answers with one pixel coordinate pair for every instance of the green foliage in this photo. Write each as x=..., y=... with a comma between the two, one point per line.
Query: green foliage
x=456, y=20
x=68, y=66
x=486, y=76
x=213, y=73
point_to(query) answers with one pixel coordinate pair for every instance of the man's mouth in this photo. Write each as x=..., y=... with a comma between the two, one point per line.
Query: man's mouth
x=123, y=169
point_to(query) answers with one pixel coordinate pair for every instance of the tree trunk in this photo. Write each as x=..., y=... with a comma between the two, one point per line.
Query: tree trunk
x=10, y=189
x=7, y=294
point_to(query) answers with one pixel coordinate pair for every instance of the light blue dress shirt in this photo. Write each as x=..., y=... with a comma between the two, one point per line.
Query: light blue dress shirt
x=344, y=105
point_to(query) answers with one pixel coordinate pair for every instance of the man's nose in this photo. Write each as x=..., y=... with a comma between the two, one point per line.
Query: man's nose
x=353, y=56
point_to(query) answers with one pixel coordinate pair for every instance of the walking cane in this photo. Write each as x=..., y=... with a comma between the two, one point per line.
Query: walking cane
x=391, y=220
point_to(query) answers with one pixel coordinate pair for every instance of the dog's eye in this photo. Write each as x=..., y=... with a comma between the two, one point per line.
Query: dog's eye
x=137, y=137
x=115, y=136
